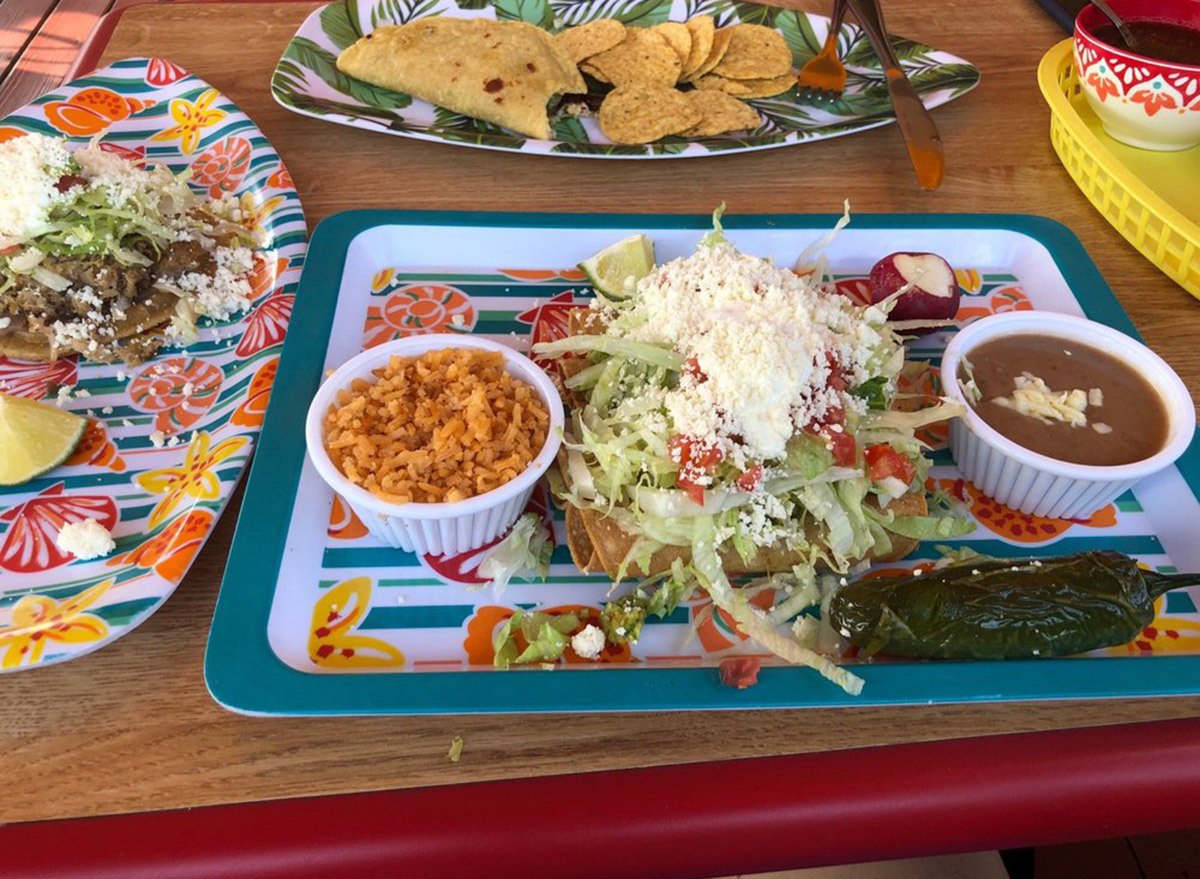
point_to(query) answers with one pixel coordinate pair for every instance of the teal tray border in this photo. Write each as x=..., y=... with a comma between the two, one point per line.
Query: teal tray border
x=244, y=675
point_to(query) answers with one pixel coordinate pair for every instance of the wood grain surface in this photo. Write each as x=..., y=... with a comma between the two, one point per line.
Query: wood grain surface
x=132, y=728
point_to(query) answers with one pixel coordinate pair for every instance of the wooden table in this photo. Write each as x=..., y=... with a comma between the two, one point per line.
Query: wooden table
x=132, y=728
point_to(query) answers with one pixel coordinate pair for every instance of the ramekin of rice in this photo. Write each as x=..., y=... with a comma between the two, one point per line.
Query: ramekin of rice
x=435, y=441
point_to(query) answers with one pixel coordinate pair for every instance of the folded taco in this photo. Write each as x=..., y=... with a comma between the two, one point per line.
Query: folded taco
x=504, y=72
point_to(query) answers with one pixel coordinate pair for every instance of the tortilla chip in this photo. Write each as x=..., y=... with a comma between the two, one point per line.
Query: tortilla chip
x=700, y=29
x=754, y=52
x=591, y=70
x=720, y=113
x=677, y=35
x=592, y=38
x=720, y=44
x=498, y=71
x=642, y=113
x=747, y=88
x=643, y=57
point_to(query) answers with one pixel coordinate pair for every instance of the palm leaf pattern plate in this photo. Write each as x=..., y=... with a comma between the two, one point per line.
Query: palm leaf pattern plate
x=168, y=439
x=307, y=81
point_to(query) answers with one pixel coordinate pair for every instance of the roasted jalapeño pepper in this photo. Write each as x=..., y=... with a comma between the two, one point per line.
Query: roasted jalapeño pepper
x=1004, y=609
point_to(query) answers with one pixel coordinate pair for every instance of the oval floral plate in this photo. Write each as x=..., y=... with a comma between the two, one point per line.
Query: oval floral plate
x=307, y=80
x=207, y=399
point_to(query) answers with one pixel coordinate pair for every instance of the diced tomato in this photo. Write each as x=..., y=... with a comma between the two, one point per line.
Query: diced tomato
x=884, y=462
x=845, y=450
x=740, y=671
x=66, y=181
x=751, y=479
x=837, y=376
x=695, y=460
x=692, y=368
x=834, y=414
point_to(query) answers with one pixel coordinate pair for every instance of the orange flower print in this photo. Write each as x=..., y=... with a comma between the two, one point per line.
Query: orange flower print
x=97, y=449
x=331, y=639
x=919, y=377
x=1155, y=95
x=222, y=166
x=170, y=552
x=482, y=626
x=91, y=111
x=281, y=179
x=415, y=309
x=7, y=134
x=999, y=301
x=717, y=629
x=191, y=119
x=344, y=524
x=1020, y=527
x=250, y=413
x=1105, y=87
x=180, y=390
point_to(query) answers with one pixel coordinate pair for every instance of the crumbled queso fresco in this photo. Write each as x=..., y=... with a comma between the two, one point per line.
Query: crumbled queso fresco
x=760, y=338
x=86, y=539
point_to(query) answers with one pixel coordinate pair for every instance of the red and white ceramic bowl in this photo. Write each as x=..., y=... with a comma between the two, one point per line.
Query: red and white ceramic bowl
x=1140, y=101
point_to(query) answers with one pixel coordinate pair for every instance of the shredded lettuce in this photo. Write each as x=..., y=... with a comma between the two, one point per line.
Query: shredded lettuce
x=643, y=351
x=546, y=637
x=527, y=548
x=923, y=527
x=717, y=235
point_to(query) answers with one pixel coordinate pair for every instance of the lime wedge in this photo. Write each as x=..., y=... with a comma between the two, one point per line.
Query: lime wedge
x=34, y=438
x=615, y=271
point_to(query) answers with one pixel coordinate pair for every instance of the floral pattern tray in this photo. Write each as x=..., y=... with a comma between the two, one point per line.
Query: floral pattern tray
x=317, y=617
x=207, y=399
x=307, y=81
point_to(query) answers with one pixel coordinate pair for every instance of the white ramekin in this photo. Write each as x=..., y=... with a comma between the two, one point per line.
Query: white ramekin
x=436, y=529
x=1036, y=484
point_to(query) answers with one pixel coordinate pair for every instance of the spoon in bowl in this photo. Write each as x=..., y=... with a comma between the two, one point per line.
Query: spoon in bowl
x=1122, y=28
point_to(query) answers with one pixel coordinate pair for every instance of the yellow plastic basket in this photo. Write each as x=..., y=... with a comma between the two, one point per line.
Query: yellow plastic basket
x=1152, y=198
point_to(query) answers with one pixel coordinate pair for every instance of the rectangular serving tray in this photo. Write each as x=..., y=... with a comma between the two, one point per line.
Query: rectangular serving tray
x=315, y=617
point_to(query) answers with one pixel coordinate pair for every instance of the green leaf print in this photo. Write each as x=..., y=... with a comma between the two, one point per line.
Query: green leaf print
x=322, y=63
x=473, y=4
x=599, y=149
x=755, y=13
x=570, y=129
x=635, y=13
x=401, y=11
x=533, y=11
x=338, y=26
x=862, y=54
x=798, y=33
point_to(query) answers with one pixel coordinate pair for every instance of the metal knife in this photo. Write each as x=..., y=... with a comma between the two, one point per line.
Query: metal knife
x=916, y=125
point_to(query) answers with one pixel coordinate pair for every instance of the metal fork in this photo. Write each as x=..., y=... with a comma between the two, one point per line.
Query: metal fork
x=823, y=78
